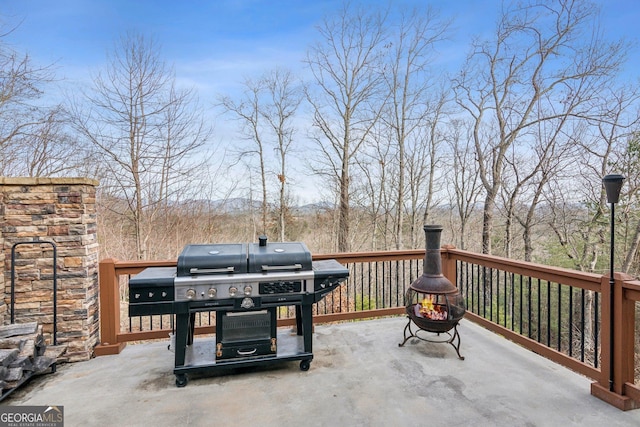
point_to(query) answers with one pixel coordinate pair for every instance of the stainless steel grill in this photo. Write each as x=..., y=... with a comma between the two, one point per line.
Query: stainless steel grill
x=244, y=284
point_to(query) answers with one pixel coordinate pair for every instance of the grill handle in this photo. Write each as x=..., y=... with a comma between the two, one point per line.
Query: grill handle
x=282, y=267
x=212, y=270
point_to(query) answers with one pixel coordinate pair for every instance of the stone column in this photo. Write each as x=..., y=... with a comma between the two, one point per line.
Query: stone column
x=3, y=305
x=61, y=211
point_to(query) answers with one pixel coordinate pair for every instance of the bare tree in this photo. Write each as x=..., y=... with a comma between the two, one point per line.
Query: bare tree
x=284, y=98
x=409, y=82
x=146, y=132
x=345, y=96
x=266, y=114
x=32, y=137
x=248, y=112
x=465, y=186
x=603, y=142
x=630, y=167
x=374, y=185
x=542, y=52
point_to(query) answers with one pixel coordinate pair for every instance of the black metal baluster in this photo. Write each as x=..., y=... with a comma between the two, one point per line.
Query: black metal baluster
x=397, y=304
x=497, y=304
x=549, y=313
x=506, y=313
x=360, y=286
x=369, y=287
x=539, y=314
x=521, y=303
x=570, y=321
x=597, y=330
x=559, y=340
x=484, y=292
x=582, y=324
x=529, y=308
x=380, y=289
x=477, y=281
x=513, y=301
x=466, y=280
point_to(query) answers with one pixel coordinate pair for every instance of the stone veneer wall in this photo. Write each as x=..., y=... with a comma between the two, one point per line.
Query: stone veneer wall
x=3, y=305
x=62, y=211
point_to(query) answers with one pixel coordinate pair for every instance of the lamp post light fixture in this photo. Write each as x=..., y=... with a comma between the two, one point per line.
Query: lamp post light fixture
x=612, y=186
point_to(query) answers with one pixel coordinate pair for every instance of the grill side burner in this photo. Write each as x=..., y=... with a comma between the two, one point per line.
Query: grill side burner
x=152, y=292
x=244, y=284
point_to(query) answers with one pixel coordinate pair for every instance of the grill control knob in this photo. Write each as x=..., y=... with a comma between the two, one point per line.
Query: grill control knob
x=247, y=290
x=190, y=294
x=233, y=291
x=212, y=292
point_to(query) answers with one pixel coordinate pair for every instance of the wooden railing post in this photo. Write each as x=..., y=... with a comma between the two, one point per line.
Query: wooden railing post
x=448, y=264
x=624, y=340
x=620, y=364
x=109, y=288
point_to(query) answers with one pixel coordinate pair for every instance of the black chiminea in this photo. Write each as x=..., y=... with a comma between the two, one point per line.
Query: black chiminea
x=432, y=302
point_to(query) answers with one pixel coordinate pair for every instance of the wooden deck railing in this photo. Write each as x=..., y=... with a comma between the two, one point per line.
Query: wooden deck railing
x=376, y=288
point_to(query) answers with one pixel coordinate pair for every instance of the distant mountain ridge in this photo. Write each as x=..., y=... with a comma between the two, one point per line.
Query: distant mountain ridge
x=237, y=205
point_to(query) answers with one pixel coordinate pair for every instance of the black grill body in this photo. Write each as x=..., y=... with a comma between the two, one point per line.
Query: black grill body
x=284, y=256
x=152, y=292
x=244, y=284
x=209, y=259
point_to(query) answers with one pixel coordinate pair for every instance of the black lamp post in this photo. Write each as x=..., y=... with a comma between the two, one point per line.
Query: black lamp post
x=612, y=186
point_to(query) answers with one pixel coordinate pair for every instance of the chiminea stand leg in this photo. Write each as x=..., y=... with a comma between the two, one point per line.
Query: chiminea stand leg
x=454, y=339
x=411, y=334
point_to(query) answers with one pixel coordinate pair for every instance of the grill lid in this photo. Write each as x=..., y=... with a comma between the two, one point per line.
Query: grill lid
x=281, y=256
x=212, y=259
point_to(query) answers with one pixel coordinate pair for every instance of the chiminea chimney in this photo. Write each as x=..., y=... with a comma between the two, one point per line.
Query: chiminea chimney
x=432, y=280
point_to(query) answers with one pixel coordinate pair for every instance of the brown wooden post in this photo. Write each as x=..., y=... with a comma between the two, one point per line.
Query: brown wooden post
x=625, y=336
x=448, y=264
x=623, y=343
x=618, y=337
x=605, y=333
x=109, y=309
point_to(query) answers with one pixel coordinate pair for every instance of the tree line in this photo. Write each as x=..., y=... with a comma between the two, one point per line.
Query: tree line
x=508, y=151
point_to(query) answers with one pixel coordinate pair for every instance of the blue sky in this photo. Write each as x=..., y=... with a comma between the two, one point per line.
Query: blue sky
x=206, y=41
x=215, y=43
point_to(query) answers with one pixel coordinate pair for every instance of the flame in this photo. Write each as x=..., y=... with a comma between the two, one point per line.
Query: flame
x=427, y=303
x=430, y=310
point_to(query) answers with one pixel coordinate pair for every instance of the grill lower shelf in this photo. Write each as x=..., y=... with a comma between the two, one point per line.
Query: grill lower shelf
x=200, y=357
x=202, y=353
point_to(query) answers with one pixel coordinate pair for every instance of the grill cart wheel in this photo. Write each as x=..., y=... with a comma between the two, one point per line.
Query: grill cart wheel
x=181, y=380
x=305, y=365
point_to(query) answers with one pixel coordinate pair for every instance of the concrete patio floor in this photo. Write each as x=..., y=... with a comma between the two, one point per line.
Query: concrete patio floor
x=359, y=377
